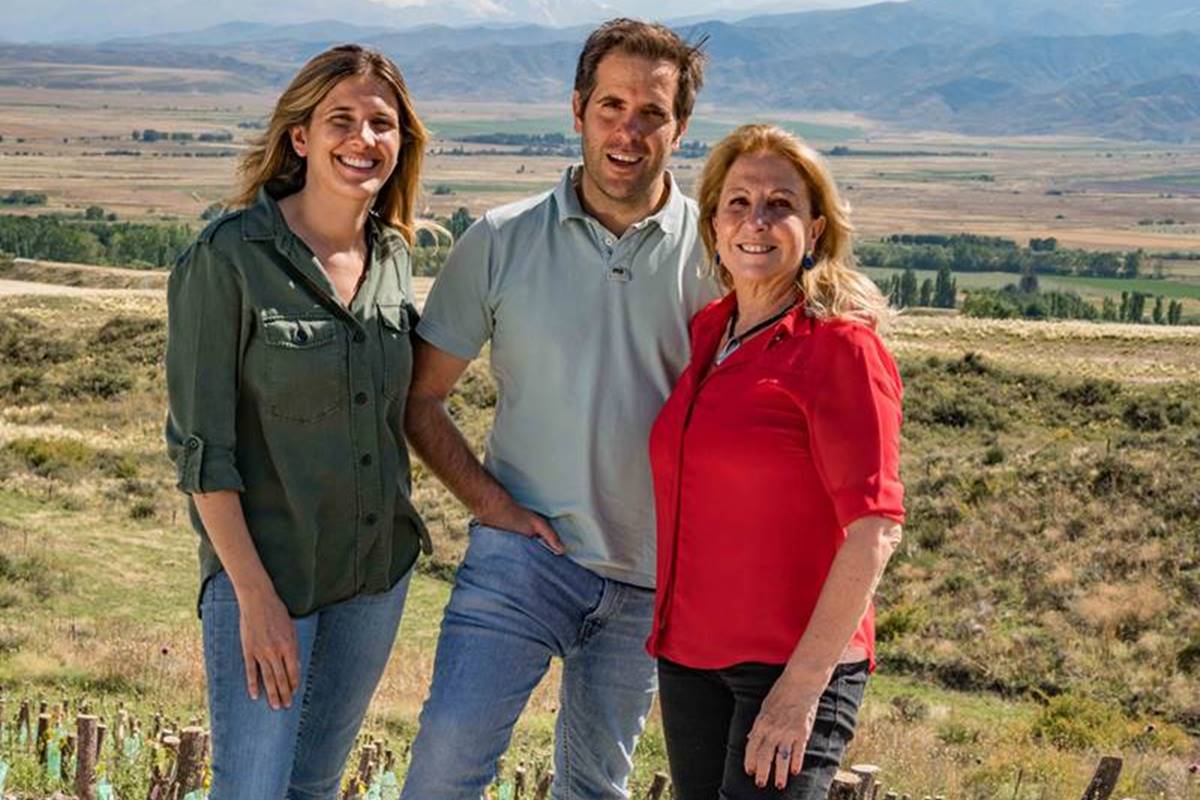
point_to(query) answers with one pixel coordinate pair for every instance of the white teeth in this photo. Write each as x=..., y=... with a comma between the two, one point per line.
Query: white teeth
x=360, y=163
x=624, y=159
x=755, y=248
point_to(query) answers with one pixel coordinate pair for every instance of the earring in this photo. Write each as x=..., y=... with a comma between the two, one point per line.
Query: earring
x=808, y=261
x=716, y=259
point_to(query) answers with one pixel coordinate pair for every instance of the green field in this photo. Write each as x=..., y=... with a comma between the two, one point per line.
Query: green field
x=705, y=129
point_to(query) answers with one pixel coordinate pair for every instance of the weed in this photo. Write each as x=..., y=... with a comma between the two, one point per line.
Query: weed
x=52, y=458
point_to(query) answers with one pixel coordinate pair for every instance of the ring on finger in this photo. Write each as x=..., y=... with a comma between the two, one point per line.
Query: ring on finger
x=785, y=752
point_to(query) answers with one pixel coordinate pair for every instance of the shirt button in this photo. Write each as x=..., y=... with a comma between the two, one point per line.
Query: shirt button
x=361, y=398
x=608, y=241
x=365, y=460
x=193, y=443
x=371, y=518
x=360, y=336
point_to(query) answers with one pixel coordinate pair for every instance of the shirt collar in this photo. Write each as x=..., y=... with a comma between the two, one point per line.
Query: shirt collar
x=669, y=218
x=263, y=221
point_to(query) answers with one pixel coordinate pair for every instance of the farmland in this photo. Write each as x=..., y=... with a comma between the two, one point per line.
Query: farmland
x=1043, y=610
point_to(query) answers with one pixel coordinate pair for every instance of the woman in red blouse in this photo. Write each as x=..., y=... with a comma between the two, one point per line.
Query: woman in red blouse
x=776, y=478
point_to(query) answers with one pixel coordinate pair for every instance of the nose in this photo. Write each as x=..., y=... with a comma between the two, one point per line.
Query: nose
x=365, y=132
x=758, y=215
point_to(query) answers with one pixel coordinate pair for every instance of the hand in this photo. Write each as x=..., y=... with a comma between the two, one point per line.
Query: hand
x=509, y=516
x=781, y=730
x=269, y=647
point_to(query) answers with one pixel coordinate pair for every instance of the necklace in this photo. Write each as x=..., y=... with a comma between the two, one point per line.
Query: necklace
x=732, y=342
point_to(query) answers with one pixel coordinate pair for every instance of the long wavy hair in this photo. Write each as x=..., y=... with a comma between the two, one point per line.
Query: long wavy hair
x=833, y=287
x=271, y=161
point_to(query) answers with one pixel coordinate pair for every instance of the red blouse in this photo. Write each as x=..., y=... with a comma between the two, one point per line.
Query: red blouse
x=759, y=465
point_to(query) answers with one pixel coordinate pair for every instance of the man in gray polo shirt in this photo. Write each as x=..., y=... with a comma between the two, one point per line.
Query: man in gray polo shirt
x=585, y=294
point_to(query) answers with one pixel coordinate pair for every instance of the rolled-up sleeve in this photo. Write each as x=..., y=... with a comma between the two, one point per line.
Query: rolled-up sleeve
x=458, y=316
x=854, y=421
x=203, y=354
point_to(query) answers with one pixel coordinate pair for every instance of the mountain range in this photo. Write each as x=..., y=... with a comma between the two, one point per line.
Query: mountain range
x=1112, y=68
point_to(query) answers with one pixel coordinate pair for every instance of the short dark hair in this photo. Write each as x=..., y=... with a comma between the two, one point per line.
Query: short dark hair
x=650, y=40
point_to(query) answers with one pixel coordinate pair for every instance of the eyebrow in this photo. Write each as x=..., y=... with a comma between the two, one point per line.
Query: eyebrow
x=779, y=190
x=349, y=110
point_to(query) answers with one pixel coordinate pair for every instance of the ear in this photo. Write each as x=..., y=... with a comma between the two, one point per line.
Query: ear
x=679, y=132
x=815, y=231
x=299, y=137
x=577, y=110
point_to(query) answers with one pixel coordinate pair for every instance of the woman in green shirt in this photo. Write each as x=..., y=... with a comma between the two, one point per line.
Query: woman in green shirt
x=288, y=361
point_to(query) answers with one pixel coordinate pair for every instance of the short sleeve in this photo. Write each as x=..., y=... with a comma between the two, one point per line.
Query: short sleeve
x=203, y=353
x=854, y=417
x=458, y=315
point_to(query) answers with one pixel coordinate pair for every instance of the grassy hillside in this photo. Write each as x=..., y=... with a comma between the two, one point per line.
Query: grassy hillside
x=1044, y=609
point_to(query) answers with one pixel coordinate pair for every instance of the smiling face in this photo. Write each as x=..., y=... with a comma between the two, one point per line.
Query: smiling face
x=763, y=221
x=352, y=141
x=629, y=129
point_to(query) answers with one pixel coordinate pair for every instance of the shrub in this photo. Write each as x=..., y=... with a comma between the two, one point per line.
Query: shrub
x=1115, y=476
x=27, y=342
x=993, y=455
x=1090, y=393
x=1145, y=415
x=1077, y=723
x=908, y=708
x=52, y=457
x=103, y=381
x=892, y=623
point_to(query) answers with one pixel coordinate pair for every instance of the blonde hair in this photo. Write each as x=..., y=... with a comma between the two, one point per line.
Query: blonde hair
x=833, y=288
x=271, y=161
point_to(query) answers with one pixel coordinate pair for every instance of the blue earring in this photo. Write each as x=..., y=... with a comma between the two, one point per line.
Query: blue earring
x=717, y=259
x=808, y=262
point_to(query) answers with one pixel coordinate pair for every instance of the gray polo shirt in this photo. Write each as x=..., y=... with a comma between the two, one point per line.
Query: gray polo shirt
x=589, y=332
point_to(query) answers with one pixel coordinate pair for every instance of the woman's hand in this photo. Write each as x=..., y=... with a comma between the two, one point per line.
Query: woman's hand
x=781, y=730
x=269, y=647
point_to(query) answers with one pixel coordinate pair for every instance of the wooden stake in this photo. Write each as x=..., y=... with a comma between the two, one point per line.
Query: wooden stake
x=845, y=786
x=868, y=775
x=658, y=785
x=519, y=782
x=543, y=788
x=43, y=736
x=68, y=751
x=1104, y=780
x=85, y=766
x=189, y=767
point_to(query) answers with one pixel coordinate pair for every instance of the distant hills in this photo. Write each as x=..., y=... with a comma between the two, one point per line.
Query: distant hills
x=1121, y=68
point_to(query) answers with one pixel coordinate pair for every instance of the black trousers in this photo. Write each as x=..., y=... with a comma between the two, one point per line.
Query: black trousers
x=707, y=715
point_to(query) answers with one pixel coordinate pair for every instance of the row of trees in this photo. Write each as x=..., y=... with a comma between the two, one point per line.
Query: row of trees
x=151, y=135
x=970, y=253
x=1022, y=301
x=903, y=290
x=92, y=240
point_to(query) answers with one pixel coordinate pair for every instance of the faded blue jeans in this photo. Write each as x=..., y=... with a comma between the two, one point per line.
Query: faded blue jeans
x=297, y=753
x=515, y=605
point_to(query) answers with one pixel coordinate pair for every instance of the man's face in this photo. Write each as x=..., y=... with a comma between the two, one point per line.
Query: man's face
x=629, y=127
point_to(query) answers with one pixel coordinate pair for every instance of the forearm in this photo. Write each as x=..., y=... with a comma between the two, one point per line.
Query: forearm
x=844, y=598
x=225, y=524
x=440, y=444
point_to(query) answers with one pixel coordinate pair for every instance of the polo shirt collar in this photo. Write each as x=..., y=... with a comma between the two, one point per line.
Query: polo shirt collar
x=669, y=218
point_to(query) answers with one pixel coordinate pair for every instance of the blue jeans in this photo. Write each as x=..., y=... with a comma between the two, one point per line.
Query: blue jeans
x=514, y=606
x=297, y=753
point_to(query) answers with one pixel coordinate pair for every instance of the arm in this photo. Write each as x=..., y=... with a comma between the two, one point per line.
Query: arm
x=203, y=343
x=854, y=430
x=438, y=441
x=786, y=718
x=267, y=631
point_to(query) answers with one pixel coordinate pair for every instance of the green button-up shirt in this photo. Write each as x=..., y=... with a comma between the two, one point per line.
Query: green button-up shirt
x=278, y=391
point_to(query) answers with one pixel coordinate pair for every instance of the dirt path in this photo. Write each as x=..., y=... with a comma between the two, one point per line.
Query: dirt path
x=10, y=287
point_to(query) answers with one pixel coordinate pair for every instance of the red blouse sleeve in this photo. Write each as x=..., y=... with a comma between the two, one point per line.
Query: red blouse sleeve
x=854, y=415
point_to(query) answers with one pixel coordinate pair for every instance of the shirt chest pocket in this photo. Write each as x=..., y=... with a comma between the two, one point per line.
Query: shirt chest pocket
x=395, y=340
x=305, y=371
